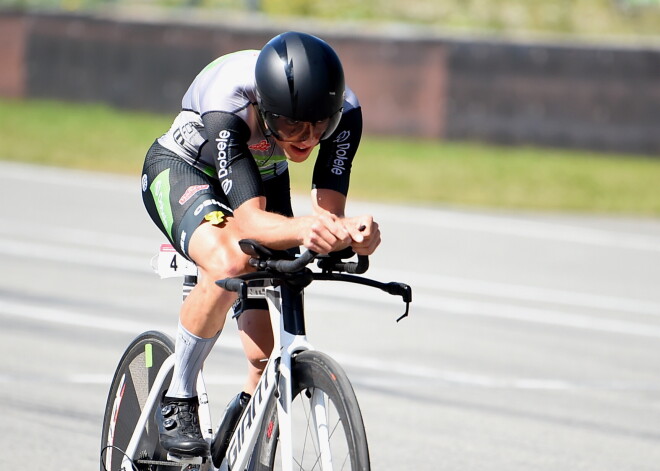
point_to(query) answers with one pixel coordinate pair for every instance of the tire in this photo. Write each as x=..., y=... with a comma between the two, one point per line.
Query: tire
x=316, y=372
x=130, y=387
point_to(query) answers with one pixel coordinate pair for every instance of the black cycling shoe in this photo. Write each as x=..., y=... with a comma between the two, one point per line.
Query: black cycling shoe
x=178, y=427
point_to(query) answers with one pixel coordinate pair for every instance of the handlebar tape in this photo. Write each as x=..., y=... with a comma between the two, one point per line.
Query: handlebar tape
x=358, y=268
x=292, y=266
x=230, y=284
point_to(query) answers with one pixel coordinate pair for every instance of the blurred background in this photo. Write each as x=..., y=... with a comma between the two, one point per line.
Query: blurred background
x=563, y=73
x=505, y=103
x=511, y=156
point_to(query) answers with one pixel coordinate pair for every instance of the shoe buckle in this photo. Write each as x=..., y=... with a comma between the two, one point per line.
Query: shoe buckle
x=169, y=424
x=168, y=409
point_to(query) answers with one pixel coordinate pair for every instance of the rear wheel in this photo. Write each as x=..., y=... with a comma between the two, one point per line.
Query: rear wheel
x=327, y=427
x=133, y=380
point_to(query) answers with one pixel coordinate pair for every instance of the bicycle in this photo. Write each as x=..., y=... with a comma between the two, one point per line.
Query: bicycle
x=303, y=415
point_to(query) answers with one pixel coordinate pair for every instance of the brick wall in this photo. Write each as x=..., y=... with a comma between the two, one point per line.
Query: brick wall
x=12, y=55
x=602, y=98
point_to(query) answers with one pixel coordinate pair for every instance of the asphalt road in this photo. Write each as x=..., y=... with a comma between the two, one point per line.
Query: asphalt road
x=533, y=340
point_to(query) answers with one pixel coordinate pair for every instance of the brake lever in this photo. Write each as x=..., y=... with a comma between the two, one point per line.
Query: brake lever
x=405, y=314
x=400, y=289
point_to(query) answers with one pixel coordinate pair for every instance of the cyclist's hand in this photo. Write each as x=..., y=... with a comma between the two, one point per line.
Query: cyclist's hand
x=326, y=234
x=365, y=234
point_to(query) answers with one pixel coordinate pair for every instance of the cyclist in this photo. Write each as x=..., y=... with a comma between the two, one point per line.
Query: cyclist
x=220, y=175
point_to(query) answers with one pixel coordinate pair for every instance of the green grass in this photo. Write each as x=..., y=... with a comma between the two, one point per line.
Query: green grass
x=569, y=17
x=575, y=18
x=98, y=137
x=95, y=137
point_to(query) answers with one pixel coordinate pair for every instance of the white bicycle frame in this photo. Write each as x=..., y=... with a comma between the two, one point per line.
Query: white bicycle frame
x=277, y=375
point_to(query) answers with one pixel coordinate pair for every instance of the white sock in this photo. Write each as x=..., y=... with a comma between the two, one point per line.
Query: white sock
x=190, y=352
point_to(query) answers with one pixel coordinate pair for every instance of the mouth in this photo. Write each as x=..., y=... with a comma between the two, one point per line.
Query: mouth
x=298, y=151
x=299, y=148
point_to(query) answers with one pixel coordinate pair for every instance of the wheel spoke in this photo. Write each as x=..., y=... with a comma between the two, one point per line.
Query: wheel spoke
x=328, y=433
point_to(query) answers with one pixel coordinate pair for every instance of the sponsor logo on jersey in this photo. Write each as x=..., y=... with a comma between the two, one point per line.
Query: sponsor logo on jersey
x=209, y=202
x=145, y=182
x=160, y=190
x=185, y=134
x=342, y=137
x=341, y=153
x=222, y=143
x=190, y=192
x=183, y=241
x=262, y=146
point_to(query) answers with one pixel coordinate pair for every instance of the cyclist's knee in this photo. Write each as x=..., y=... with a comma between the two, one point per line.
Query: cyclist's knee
x=223, y=263
x=257, y=364
x=217, y=253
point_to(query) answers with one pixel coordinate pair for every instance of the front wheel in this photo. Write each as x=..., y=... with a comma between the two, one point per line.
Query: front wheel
x=327, y=427
x=134, y=378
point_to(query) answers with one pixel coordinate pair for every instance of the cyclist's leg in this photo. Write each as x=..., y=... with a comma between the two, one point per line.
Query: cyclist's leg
x=257, y=338
x=191, y=210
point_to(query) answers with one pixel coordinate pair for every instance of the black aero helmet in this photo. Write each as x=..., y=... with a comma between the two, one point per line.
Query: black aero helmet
x=299, y=77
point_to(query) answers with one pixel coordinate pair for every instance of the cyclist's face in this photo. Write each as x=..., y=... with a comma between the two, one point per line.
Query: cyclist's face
x=296, y=138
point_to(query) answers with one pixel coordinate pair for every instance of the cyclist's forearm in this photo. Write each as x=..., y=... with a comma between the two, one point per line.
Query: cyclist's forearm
x=328, y=200
x=271, y=229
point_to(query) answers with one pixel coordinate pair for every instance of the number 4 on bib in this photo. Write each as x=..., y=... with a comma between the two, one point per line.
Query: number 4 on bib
x=168, y=263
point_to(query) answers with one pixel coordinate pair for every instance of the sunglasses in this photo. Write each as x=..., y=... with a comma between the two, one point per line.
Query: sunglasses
x=289, y=130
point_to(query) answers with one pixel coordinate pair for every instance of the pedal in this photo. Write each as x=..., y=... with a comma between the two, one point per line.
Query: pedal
x=187, y=463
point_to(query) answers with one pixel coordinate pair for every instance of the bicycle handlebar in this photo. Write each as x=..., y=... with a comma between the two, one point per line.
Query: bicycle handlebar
x=331, y=262
x=289, y=266
x=231, y=284
x=358, y=268
x=294, y=272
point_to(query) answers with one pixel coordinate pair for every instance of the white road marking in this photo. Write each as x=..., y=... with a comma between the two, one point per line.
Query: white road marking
x=433, y=282
x=435, y=302
x=384, y=369
x=519, y=227
x=445, y=305
x=75, y=256
x=385, y=380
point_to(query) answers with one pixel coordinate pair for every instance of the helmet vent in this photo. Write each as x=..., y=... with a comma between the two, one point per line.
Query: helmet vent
x=288, y=69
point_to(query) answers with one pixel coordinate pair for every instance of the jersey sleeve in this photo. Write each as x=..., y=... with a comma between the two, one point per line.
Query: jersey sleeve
x=236, y=170
x=333, y=165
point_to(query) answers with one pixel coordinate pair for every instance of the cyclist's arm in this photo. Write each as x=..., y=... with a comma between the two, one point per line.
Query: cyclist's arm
x=332, y=201
x=322, y=233
x=363, y=230
x=236, y=169
x=331, y=179
x=332, y=170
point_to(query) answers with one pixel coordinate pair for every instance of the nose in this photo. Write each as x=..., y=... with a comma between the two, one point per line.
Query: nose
x=313, y=137
x=309, y=141
x=307, y=134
